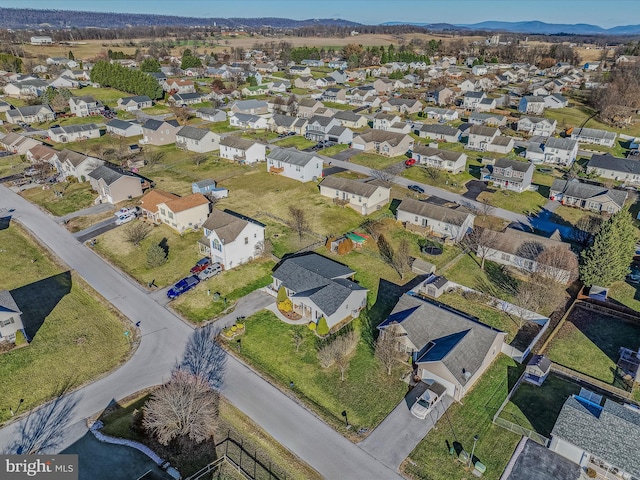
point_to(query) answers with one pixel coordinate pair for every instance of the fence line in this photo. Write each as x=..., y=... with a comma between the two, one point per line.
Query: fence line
x=581, y=377
x=535, y=436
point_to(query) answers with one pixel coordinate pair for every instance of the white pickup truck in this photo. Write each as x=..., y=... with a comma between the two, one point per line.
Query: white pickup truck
x=428, y=400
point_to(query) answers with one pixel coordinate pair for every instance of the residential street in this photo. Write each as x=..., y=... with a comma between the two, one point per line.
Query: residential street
x=163, y=337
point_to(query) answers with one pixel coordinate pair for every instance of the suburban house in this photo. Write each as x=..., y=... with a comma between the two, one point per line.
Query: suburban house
x=158, y=132
x=487, y=119
x=85, y=106
x=509, y=174
x=471, y=99
x=74, y=164
x=16, y=143
x=319, y=287
x=480, y=137
x=349, y=119
x=209, y=187
x=246, y=120
x=594, y=136
x=180, y=213
x=441, y=133
x=364, y=197
x=114, y=185
x=138, y=102
x=285, y=124
x=532, y=105
x=486, y=105
x=501, y=144
x=211, y=114
x=251, y=107
x=40, y=153
x=238, y=149
x=574, y=193
x=231, y=239
x=451, y=223
x=454, y=162
x=384, y=121
x=292, y=163
x=384, y=85
x=441, y=96
x=307, y=107
x=561, y=151
x=443, y=114
x=515, y=248
x=598, y=437
x=446, y=346
x=199, y=140
x=300, y=70
x=390, y=144
x=26, y=88
x=10, y=318
x=402, y=105
x=364, y=97
x=30, y=114
x=537, y=126
x=74, y=133
x=334, y=94
x=619, y=169
x=306, y=82
x=184, y=99
x=318, y=127
x=555, y=100
x=123, y=128
x=177, y=85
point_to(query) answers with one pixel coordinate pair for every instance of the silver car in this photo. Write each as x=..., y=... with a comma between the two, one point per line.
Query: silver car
x=211, y=271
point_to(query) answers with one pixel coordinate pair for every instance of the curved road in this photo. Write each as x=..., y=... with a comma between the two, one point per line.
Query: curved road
x=163, y=338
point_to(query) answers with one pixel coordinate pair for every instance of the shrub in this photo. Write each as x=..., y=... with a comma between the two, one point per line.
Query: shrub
x=156, y=256
x=591, y=473
x=282, y=294
x=240, y=326
x=285, y=306
x=20, y=340
x=312, y=326
x=323, y=328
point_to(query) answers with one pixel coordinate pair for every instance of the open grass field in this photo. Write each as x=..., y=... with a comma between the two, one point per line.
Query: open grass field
x=525, y=202
x=368, y=394
x=576, y=114
x=537, y=408
x=11, y=165
x=75, y=335
x=198, y=306
x=75, y=196
x=589, y=343
x=331, y=151
x=377, y=162
x=296, y=141
x=431, y=458
x=439, y=178
x=183, y=253
x=106, y=95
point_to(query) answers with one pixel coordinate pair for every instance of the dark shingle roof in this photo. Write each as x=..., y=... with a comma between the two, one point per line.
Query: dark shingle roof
x=351, y=186
x=74, y=128
x=193, y=133
x=227, y=225
x=449, y=155
x=7, y=303
x=154, y=125
x=440, y=130
x=484, y=131
x=119, y=124
x=561, y=143
x=235, y=141
x=433, y=211
x=291, y=156
x=586, y=191
x=136, y=99
x=108, y=174
x=516, y=165
x=609, y=162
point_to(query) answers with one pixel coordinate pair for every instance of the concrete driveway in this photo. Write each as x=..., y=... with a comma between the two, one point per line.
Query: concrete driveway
x=395, y=438
x=345, y=155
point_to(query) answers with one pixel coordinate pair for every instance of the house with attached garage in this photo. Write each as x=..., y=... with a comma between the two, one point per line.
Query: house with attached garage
x=249, y=107
x=159, y=132
x=487, y=119
x=599, y=437
x=480, y=137
x=619, y=169
x=211, y=114
x=594, y=136
x=30, y=114
x=10, y=318
x=440, y=133
x=336, y=95
x=130, y=104
x=451, y=223
x=286, y=124
x=574, y=193
x=402, y=105
x=64, y=81
x=501, y=144
x=307, y=107
x=123, y=128
x=555, y=101
x=114, y=185
x=364, y=197
x=177, y=85
x=41, y=154
x=292, y=163
x=531, y=105
x=364, y=97
x=471, y=99
x=231, y=239
x=180, y=213
x=448, y=160
x=199, y=140
x=390, y=144
x=443, y=114
x=319, y=287
x=441, y=96
x=247, y=121
x=486, y=105
x=238, y=149
x=318, y=126
x=184, y=99
x=446, y=346
x=26, y=88
x=74, y=133
x=509, y=174
x=349, y=119
x=74, y=164
x=305, y=82
x=85, y=106
x=302, y=71
x=16, y=143
x=561, y=151
x=537, y=126
x=384, y=121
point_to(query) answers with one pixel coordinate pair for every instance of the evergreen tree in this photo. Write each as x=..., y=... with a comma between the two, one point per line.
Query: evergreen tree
x=125, y=79
x=607, y=260
x=323, y=328
x=71, y=56
x=253, y=81
x=150, y=65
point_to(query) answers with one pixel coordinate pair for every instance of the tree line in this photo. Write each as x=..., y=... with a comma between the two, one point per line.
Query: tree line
x=128, y=80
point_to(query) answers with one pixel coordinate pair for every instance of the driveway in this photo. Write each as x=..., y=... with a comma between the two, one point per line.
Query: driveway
x=345, y=155
x=95, y=209
x=395, y=438
x=95, y=230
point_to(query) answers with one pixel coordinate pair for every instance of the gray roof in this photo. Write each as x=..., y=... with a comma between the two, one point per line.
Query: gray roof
x=586, y=191
x=441, y=334
x=483, y=131
x=7, y=303
x=74, y=128
x=136, y=99
x=534, y=99
x=440, y=130
x=609, y=433
x=208, y=182
x=74, y=158
x=561, y=143
x=347, y=116
x=536, y=120
x=227, y=225
x=486, y=116
x=337, y=130
x=516, y=165
x=593, y=133
x=355, y=187
x=108, y=174
x=154, y=125
x=609, y=162
x=471, y=94
x=84, y=98
x=402, y=101
x=291, y=156
x=524, y=244
x=321, y=120
x=246, y=117
x=436, y=212
x=210, y=111
x=119, y=124
x=540, y=361
x=284, y=120
x=320, y=279
x=28, y=110
x=449, y=155
x=236, y=141
x=502, y=140
x=249, y=104
x=193, y=133
x=439, y=111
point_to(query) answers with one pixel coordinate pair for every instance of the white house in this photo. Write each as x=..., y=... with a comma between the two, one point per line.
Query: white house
x=85, y=106
x=364, y=197
x=199, y=140
x=231, y=239
x=445, y=222
x=74, y=164
x=10, y=317
x=180, y=213
x=537, y=126
x=30, y=114
x=509, y=174
x=480, y=137
x=594, y=136
x=123, y=128
x=211, y=114
x=531, y=104
x=238, y=149
x=448, y=160
x=561, y=151
x=137, y=102
x=74, y=133
x=472, y=99
x=248, y=121
x=443, y=133
x=619, y=169
x=291, y=163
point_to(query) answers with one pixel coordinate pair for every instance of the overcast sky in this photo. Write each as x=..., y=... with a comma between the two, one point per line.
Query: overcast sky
x=605, y=13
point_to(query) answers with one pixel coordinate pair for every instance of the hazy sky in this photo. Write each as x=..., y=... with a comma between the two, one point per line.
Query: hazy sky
x=605, y=13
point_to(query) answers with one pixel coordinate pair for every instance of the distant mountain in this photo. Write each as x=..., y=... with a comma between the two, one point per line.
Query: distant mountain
x=531, y=27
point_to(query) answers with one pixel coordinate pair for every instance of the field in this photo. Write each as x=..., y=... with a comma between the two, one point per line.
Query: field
x=11, y=165
x=76, y=336
x=377, y=162
x=75, y=196
x=438, y=178
x=525, y=202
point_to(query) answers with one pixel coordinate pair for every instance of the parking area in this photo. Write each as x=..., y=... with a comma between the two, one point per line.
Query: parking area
x=536, y=462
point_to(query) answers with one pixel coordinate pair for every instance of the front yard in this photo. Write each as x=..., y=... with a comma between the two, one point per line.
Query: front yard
x=439, y=178
x=295, y=141
x=376, y=162
x=525, y=202
x=76, y=336
x=431, y=458
x=12, y=164
x=62, y=198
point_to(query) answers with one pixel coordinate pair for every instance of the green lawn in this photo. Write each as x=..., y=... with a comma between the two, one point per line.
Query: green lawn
x=259, y=135
x=198, y=306
x=183, y=253
x=331, y=151
x=12, y=164
x=339, y=106
x=368, y=394
x=295, y=141
x=75, y=196
x=537, y=408
x=109, y=96
x=222, y=127
x=76, y=337
x=589, y=342
x=525, y=202
x=439, y=178
x=626, y=294
x=571, y=214
x=70, y=121
x=431, y=459
x=575, y=116
x=377, y=162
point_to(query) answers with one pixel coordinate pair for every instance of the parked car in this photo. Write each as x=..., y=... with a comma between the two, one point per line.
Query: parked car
x=416, y=188
x=125, y=218
x=211, y=271
x=410, y=162
x=428, y=400
x=182, y=286
x=200, y=265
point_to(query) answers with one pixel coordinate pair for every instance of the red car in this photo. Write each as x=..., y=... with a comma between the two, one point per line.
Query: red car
x=410, y=162
x=200, y=265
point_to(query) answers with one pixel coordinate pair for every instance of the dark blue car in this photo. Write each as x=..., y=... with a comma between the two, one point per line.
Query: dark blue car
x=182, y=286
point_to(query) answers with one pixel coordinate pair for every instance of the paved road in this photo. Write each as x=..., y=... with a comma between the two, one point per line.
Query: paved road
x=163, y=338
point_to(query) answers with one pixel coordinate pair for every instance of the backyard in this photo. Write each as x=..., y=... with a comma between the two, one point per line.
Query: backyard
x=439, y=178
x=12, y=164
x=62, y=198
x=526, y=202
x=295, y=141
x=431, y=458
x=75, y=335
x=376, y=162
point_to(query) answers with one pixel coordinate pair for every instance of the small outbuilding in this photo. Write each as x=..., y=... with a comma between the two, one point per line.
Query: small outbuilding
x=537, y=370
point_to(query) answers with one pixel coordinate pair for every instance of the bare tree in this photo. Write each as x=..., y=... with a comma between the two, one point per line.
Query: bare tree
x=385, y=249
x=339, y=352
x=482, y=241
x=387, y=351
x=185, y=407
x=432, y=173
x=298, y=221
x=529, y=297
x=373, y=228
x=559, y=264
x=199, y=159
x=585, y=229
x=297, y=338
x=137, y=232
x=402, y=258
x=153, y=157
x=183, y=114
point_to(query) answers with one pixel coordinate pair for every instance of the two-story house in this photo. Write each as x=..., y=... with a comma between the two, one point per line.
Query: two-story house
x=537, y=126
x=448, y=160
x=402, y=105
x=364, y=197
x=384, y=121
x=73, y=164
x=30, y=114
x=16, y=143
x=509, y=174
x=586, y=196
x=249, y=107
x=335, y=95
x=451, y=223
x=443, y=114
x=318, y=126
x=180, y=213
x=159, y=132
x=531, y=105
x=307, y=107
x=349, y=119
x=471, y=99
x=85, y=106
x=114, y=185
x=10, y=318
x=487, y=119
x=178, y=85
x=560, y=151
x=480, y=137
x=594, y=136
x=195, y=139
x=238, y=149
x=292, y=163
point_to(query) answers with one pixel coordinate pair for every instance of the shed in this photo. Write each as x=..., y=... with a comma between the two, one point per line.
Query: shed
x=434, y=286
x=598, y=293
x=209, y=187
x=537, y=369
x=422, y=267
